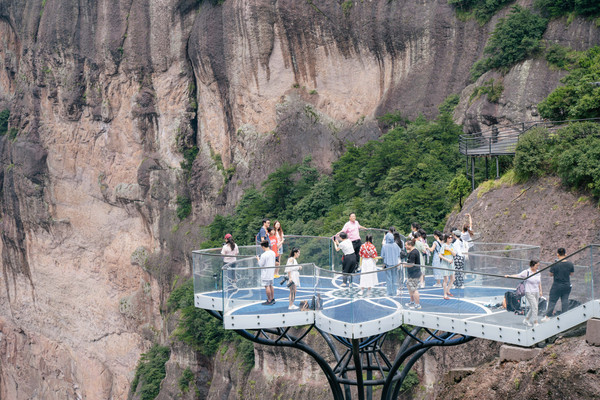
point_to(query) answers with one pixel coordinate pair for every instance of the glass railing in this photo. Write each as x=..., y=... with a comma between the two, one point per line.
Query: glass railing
x=365, y=302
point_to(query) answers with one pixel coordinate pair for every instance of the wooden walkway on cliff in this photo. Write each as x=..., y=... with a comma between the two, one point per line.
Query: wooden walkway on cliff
x=501, y=141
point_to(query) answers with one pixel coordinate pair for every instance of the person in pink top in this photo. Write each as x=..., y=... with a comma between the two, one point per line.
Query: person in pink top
x=351, y=229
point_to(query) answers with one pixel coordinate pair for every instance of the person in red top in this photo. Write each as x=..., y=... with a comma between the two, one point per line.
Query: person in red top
x=273, y=245
x=368, y=271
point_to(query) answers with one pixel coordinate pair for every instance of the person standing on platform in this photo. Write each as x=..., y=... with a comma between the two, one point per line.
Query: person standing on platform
x=467, y=232
x=230, y=249
x=273, y=245
x=351, y=229
x=266, y=260
x=447, y=259
x=435, y=258
x=561, y=286
x=280, y=240
x=348, y=258
x=293, y=271
x=262, y=235
x=421, y=246
x=368, y=270
x=533, y=290
x=414, y=273
x=390, y=252
x=460, y=249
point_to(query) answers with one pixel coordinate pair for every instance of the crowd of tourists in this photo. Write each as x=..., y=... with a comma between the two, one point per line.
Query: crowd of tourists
x=404, y=261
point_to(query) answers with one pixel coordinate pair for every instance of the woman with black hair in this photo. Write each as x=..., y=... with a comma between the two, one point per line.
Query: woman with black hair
x=292, y=270
x=348, y=258
x=368, y=270
x=230, y=249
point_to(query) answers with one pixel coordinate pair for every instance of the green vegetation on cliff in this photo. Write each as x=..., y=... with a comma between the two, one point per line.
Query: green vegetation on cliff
x=579, y=98
x=400, y=178
x=150, y=372
x=572, y=153
x=557, y=8
x=481, y=10
x=515, y=38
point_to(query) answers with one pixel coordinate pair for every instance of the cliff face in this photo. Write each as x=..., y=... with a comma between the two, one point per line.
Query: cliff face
x=104, y=98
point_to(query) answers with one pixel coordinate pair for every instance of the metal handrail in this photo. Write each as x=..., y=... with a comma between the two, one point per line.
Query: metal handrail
x=504, y=139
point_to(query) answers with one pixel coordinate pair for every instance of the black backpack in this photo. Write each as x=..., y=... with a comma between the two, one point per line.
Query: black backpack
x=513, y=302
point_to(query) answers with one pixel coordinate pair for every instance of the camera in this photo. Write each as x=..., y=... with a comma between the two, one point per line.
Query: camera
x=286, y=279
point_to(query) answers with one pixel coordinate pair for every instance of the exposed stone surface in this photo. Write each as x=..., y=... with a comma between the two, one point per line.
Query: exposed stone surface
x=566, y=370
x=515, y=353
x=592, y=335
x=105, y=97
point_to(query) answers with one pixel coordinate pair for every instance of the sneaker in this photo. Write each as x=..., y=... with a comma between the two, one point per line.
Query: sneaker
x=293, y=307
x=546, y=318
x=437, y=285
x=410, y=305
x=417, y=306
x=421, y=286
x=272, y=302
x=526, y=322
x=343, y=285
x=535, y=324
x=360, y=293
x=266, y=303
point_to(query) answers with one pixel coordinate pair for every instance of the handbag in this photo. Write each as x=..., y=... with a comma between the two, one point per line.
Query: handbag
x=521, y=287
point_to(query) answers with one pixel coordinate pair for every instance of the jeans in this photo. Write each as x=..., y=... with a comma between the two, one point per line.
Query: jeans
x=533, y=299
x=558, y=291
x=348, y=266
x=391, y=276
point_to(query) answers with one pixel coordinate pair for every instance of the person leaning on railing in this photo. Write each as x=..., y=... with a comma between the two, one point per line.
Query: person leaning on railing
x=533, y=290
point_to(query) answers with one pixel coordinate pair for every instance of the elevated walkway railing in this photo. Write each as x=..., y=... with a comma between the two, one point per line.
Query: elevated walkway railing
x=235, y=289
x=503, y=140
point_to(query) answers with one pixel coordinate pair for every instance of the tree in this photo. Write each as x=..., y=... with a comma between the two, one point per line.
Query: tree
x=458, y=188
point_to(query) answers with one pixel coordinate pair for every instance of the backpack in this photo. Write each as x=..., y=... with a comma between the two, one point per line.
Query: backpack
x=513, y=303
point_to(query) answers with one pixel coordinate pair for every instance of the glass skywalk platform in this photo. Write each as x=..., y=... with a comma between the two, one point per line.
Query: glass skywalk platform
x=234, y=290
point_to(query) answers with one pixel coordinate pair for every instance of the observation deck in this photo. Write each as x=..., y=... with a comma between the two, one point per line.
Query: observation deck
x=234, y=290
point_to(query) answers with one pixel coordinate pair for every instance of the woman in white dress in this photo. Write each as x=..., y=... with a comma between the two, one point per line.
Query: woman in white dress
x=293, y=270
x=368, y=274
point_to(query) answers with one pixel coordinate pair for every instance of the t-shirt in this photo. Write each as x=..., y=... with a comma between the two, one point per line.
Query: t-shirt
x=562, y=272
x=532, y=285
x=351, y=228
x=293, y=270
x=420, y=247
x=414, y=257
x=226, y=250
x=267, y=259
x=346, y=247
x=262, y=233
x=274, y=245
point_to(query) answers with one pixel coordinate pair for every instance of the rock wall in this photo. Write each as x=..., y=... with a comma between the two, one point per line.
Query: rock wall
x=105, y=97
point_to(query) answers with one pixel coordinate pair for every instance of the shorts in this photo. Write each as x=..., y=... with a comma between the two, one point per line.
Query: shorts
x=267, y=282
x=413, y=283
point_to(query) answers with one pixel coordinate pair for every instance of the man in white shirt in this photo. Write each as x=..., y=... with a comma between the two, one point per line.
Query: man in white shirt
x=267, y=259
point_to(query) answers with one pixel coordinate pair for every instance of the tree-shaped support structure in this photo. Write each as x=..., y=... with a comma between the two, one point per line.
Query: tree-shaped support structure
x=359, y=362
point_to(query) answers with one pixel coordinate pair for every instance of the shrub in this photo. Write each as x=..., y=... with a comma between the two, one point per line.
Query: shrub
x=514, y=39
x=579, y=98
x=150, y=372
x=579, y=166
x=531, y=154
x=559, y=56
x=184, y=381
x=557, y=8
x=482, y=10
x=492, y=91
x=184, y=207
x=4, y=115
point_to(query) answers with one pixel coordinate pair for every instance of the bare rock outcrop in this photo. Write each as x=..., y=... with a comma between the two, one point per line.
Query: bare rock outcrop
x=106, y=97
